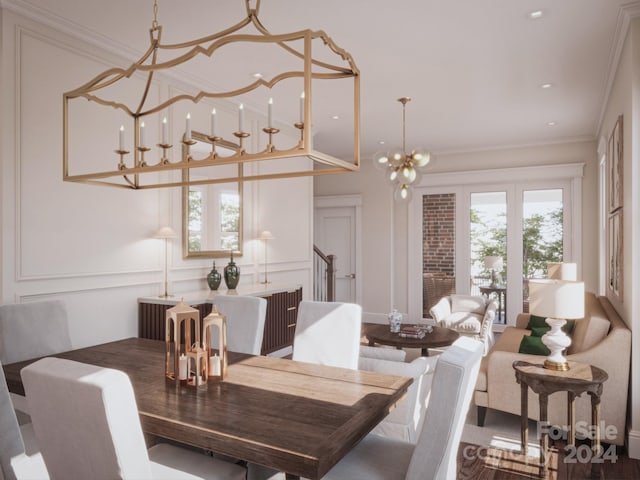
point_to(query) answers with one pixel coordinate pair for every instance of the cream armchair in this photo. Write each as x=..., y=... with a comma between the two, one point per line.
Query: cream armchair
x=469, y=315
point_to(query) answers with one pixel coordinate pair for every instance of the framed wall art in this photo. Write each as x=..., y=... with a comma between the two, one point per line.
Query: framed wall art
x=616, y=164
x=615, y=250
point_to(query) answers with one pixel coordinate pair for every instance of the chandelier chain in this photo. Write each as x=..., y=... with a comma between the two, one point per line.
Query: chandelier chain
x=154, y=24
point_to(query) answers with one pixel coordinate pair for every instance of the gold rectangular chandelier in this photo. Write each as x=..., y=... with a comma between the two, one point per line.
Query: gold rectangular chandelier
x=159, y=165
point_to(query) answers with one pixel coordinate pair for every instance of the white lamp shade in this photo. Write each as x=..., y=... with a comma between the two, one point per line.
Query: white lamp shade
x=562, y=271
x=493, y=263
x=556, y=298
x=166, y=232
x=266, y=235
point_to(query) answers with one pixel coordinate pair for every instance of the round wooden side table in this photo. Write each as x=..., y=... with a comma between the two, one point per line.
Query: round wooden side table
x=379, y=333
x=580, y=378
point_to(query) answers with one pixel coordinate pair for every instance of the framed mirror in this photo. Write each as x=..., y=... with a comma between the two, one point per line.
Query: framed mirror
x=211, y=213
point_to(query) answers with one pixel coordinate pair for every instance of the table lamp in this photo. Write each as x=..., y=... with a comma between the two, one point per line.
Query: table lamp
x=562, y=271
x=166, y=233
x=264, y=236
x=494, y=264
x=557, y=300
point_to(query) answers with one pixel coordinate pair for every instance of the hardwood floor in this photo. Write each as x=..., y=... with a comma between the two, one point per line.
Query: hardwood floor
x=482, y=463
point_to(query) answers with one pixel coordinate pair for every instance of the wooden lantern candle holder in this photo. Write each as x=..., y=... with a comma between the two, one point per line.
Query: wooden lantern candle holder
x=217, y=363
x=180, y=322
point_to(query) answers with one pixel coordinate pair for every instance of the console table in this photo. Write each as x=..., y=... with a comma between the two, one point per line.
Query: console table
x=279, y=325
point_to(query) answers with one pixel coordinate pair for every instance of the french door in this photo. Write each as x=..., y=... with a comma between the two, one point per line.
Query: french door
x=524, y=224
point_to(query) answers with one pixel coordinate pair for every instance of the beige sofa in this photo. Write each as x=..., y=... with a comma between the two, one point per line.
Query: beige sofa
x=601, y=338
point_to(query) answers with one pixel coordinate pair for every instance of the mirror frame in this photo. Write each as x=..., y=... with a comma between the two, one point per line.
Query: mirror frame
x=186, y=253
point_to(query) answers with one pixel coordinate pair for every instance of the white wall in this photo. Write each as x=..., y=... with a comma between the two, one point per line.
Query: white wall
x=624, y=99
x=92, y=245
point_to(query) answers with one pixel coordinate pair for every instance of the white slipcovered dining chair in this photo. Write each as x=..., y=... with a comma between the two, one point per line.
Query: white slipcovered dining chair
x=32, y=330
x=87, y=426
x=405, y=421
x=245, y=322
x=328, y=333
x=19, y=458
x=434, y=456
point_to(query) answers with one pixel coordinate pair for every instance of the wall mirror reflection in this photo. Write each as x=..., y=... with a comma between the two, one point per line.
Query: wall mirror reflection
x=211, y=213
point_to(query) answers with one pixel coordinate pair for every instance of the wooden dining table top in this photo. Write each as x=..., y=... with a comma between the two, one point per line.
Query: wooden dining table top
x=295, y=417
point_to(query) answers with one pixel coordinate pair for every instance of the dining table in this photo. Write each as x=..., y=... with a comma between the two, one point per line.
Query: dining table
x=294, y=417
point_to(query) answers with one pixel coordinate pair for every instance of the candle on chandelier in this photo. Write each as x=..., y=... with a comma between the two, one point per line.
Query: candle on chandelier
x=188, y=132
x=142, y=135
x=165, y=132
x=213, y=122
x=121, y=143
x=241, y=118
x=270, y=114
x=302, y=107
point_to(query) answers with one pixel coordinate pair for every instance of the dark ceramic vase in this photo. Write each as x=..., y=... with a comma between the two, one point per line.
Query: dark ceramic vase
x=231, y=274
x=214, y=278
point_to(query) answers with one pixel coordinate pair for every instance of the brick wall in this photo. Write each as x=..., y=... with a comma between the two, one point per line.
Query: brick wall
x=438, y=233
x=438, y=248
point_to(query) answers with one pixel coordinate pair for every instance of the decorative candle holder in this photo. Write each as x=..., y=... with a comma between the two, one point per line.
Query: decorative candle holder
x=180, y=321
x=270, y=131
x=165, y=146
x=188, y=142
x=197, y=361
x=241, y=136
x=300, y=126
x=213, y=139
x=122, y=153
x=142, y=151
x=217, y=363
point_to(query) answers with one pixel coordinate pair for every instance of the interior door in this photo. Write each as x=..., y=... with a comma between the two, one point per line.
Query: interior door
x=335, y=234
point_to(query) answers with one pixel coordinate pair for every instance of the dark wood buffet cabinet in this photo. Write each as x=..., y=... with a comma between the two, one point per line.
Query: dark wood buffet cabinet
x=279, y=326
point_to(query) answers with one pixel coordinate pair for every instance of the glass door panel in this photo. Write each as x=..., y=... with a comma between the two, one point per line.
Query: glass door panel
x=488, y=242
x=542, y=235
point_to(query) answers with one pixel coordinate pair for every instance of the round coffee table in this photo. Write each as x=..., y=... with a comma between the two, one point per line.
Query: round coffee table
x=379, y=333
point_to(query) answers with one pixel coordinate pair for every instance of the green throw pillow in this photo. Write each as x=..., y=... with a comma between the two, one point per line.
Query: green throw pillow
x=539, y=331
x=539, y=326
x=533, y=346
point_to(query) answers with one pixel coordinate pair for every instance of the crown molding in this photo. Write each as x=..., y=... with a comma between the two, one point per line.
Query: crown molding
x=627, y=12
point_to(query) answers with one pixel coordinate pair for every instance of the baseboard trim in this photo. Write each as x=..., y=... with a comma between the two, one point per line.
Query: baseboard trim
x=634, y=444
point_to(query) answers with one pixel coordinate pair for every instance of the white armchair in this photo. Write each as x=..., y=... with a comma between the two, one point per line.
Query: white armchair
x=469, y=315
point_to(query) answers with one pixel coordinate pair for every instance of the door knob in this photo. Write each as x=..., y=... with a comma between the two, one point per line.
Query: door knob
x=350, y=275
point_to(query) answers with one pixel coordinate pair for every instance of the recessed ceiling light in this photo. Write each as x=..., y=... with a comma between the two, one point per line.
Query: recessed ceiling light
x=380, y=142
x=546, y=85
x=335, y=117
x=257, y=75
x=535, y=14
x=551, y=124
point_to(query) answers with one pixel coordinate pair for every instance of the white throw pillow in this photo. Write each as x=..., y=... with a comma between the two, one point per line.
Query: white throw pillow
x=468, y=303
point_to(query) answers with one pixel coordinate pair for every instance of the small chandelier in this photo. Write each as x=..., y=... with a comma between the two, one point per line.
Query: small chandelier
x=402, y=169
x=103, y=155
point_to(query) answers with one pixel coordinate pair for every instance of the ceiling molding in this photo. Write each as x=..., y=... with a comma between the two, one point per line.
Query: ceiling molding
x=514, y=146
